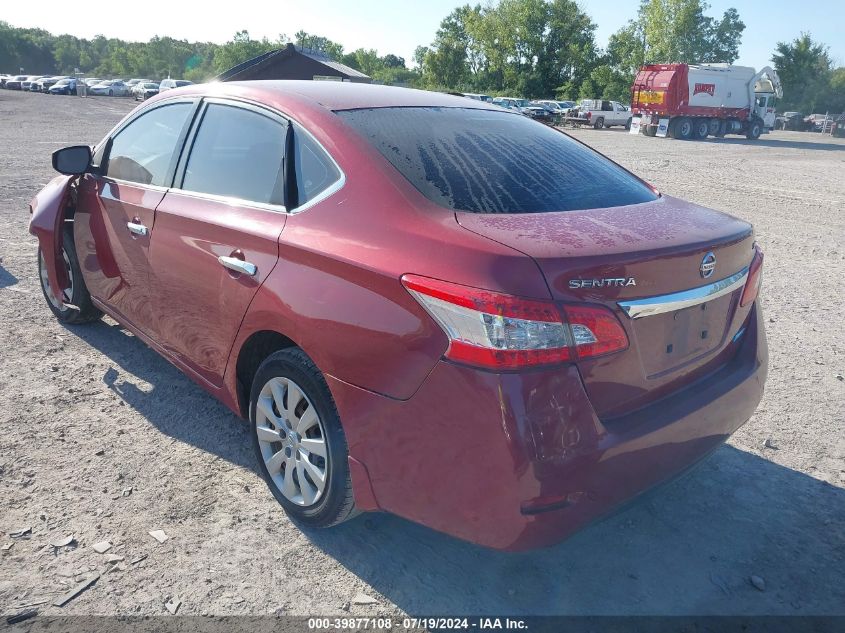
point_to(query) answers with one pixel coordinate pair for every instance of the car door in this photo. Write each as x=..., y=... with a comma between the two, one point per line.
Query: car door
x=216, y=233
x=115, y=216
x=765, y=111
x=621, y=114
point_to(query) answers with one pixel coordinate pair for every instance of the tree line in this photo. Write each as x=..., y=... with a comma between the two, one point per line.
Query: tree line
x=547, y=48
x=525, y=48
x=544, y=48
x=37, y=51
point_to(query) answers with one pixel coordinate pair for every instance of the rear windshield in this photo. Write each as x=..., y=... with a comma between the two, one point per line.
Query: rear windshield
x=494, y=162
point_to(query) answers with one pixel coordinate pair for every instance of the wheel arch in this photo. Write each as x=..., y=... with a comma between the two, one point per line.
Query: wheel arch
x=255, y=348
x=49, y=209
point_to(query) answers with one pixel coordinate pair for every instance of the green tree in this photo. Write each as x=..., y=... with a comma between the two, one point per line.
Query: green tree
x=240, y=49
x=610, y=84
x=393, y=61
x=368, y=61
x=834, y=97
x=804, y=68
x=524, y=47
x=319, y=43
x=419, y=55
x=626, y=50
x=725, y=38
x=30, y=49
x=679, y=31
x=66, y=52
x=444, y=64
x=398, y=77
x=588, y=89
x=666, y=31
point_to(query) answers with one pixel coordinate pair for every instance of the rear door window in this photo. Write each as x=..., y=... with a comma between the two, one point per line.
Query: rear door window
x=314, y=170
x=486, y=161
x=237, y=153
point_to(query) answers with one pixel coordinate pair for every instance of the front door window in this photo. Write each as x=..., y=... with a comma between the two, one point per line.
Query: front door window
x=143, y=151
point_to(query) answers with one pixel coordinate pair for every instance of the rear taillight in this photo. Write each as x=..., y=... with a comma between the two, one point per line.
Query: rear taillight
x=498, y=331
x=595, y=330
x=755, y=278
x=588, y=116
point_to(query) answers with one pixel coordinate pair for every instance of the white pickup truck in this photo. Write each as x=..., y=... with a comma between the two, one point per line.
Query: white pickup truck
x=599, y=113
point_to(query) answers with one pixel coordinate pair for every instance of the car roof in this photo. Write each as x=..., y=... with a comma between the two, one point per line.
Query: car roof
x=336, y=95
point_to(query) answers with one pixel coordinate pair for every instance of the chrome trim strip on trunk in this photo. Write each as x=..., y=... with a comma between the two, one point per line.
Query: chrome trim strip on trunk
x=639, y=308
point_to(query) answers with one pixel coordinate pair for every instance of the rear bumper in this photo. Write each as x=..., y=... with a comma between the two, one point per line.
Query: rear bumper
x=516, y=461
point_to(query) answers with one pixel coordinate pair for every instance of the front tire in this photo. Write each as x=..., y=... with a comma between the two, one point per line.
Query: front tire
x=299, y=441
x=75, y=305
x=755, y=128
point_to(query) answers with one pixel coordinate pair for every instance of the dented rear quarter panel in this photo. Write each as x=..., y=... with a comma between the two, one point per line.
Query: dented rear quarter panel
x=336, y=290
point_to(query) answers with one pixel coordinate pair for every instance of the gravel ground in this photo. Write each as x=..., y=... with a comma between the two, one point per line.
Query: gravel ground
x=104, y=440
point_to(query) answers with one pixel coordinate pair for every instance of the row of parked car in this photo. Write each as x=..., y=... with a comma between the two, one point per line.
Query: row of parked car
x=597, y=113
x=798, y=122
x=141, y=89
x=543, y=109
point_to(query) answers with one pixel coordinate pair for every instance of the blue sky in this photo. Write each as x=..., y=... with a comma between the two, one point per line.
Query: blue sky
x=391, y=26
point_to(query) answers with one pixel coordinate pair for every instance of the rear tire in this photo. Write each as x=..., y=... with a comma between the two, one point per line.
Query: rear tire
x=288, y=433
x=650, y=130
x=714, y=126
x=701, y=128
x=81, y=309
x=628, y=124
x=680, y=128
x=599, y=124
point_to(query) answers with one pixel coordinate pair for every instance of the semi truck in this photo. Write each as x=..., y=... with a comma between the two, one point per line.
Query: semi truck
x=694, y=101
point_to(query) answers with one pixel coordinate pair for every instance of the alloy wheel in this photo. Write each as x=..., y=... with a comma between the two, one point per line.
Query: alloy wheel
x=292, y=441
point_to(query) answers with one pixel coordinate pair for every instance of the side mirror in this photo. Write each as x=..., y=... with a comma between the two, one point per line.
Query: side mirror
x=73, y=160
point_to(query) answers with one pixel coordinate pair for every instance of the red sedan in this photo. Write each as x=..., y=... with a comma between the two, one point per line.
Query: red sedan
x=424, y=304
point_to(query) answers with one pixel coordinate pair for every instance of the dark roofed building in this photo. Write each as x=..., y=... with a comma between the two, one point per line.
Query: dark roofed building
x=293, y=62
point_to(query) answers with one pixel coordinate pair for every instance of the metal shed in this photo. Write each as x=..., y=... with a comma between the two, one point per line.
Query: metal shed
x=293, y=62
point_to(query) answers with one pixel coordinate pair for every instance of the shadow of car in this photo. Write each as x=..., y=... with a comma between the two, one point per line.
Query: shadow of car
x=691, y=548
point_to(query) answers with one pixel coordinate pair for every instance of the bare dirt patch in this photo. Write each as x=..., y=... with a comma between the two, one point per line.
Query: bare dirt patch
x=103, y=440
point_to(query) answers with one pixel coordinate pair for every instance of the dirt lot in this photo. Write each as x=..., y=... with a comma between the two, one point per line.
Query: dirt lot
x=103, y=439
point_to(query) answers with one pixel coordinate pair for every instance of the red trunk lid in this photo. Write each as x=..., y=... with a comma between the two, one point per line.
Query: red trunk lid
x=608, y=256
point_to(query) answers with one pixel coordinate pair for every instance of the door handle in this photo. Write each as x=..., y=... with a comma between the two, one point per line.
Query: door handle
x=238, y=265
x=137, y=229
